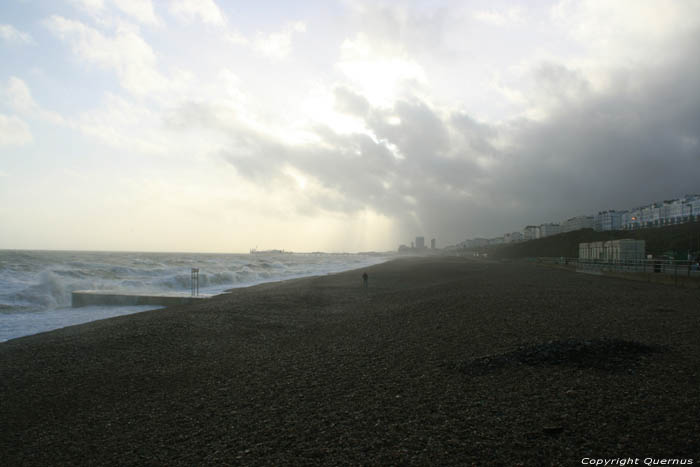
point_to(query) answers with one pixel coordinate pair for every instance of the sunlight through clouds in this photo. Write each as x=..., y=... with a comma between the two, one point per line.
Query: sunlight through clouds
x=381, y=119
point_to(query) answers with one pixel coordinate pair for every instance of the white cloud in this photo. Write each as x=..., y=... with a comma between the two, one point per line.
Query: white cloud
x=499, y=18
x=237, y=38
x=19, y=97
x=125, y=125
x=13, y=35
x=126, y=53
x=142, y=10
x=278, y=44
x=13, y=131
x=205, y=10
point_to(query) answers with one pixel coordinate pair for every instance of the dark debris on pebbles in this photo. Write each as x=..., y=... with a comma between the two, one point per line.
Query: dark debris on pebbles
x=442, y=361
x=600, y=354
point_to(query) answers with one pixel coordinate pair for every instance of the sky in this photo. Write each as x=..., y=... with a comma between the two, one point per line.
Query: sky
x=351, y=125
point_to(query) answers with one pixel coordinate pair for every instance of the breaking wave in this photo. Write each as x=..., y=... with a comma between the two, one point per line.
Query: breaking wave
x=34, y=282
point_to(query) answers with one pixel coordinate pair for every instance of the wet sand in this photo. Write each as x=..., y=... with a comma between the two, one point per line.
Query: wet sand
x=439, y=362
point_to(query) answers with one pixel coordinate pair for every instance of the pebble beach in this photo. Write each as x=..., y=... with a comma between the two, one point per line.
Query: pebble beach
x=440, y=361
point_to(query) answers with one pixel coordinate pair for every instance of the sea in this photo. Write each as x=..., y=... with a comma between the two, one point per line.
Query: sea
x=36, y=286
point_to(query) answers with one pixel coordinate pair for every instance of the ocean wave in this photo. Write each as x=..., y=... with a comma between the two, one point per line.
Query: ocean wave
x=52, y=291
x=45, y=280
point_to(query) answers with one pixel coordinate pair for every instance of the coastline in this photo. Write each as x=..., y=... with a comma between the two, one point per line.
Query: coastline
x=65, y=316
x=440, y=361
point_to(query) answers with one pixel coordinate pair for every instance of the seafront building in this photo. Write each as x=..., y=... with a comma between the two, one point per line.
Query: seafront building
x=418, y=246
x=632, y=219
x=547, y=230
x=626, y=249
x=669, y=212
x=608, y=220
x=578, y=223
x=513, y=237
x=657, y=214
x=531, y=232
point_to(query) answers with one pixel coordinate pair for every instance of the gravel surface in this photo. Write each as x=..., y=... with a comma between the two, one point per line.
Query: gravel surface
x=439, y=362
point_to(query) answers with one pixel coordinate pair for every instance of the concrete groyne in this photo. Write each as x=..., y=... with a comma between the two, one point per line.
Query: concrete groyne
x=107, y=297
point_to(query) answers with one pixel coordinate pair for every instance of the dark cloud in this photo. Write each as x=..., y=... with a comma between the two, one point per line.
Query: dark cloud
x=616, y=150
x=454, y=177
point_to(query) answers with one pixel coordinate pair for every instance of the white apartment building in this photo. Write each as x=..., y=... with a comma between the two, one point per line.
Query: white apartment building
x=651, y=215
x=513, y=237
x=675, y=211
x=608, y=220
x=531, y=232
x=549, y=229
x=690, y=209
x=669, y=212
x=632, y=219
x=577, y=223
x=693, y=203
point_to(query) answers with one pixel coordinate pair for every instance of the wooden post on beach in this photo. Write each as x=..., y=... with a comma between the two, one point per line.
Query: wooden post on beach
x=194, y=280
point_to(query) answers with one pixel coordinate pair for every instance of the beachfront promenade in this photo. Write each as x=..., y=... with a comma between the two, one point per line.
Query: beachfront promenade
x=439, y=362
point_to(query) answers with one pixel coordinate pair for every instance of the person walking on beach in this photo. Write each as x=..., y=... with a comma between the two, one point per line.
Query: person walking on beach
x=365, y=279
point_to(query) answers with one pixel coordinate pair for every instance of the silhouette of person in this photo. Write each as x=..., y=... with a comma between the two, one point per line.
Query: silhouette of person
x=365, y=278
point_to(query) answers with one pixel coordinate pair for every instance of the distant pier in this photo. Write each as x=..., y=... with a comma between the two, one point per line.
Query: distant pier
x=106, y=297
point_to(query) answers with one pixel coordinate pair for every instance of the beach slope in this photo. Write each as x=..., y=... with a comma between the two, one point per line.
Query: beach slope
x=439, y=362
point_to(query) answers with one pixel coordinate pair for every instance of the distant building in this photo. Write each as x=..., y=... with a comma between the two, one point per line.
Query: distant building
x=626, y=249
x=496, y=241
x=479, y=242
x=632, y=219
x=531, y=232
x=691, y=208
x=608, y=220
x=432, y=244
x=475, y=243
x=420, y=242
x=678, y=211
x=577, y=223
x=513, y=237
x=547, y=230
x=669, y=212
x=650, y=215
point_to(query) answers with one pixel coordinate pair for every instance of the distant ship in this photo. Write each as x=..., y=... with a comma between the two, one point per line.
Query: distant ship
x=255, y=251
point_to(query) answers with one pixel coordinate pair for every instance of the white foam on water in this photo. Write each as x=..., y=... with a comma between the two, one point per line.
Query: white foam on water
x=36, y=286
x=15, y=325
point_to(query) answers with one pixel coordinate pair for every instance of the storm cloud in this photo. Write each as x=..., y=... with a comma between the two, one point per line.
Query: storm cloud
x=442, y=171
x=344, y=126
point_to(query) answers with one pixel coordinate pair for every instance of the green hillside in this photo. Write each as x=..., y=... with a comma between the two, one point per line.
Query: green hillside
x=679, y=239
